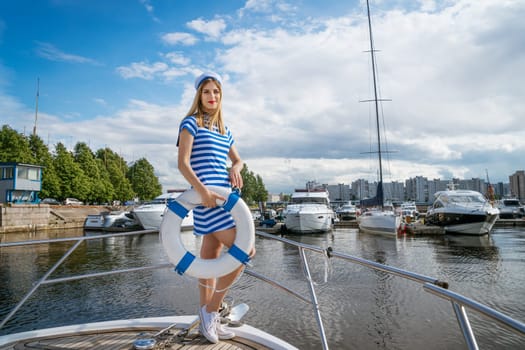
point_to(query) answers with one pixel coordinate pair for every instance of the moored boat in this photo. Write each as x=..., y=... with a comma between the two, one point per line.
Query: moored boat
x=408, y=211
x=376, y=217
x=379, y=221
x=462, y=212
x=510, y=208
x=111, y=221
x=149, y=214
x=309, y=212
x=347, y=211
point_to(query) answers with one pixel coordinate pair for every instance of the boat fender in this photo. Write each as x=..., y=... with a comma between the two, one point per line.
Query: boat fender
x=187, y=263
x=402, y=229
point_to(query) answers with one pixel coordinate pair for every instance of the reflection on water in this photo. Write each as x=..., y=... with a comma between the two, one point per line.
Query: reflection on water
x=361, y=308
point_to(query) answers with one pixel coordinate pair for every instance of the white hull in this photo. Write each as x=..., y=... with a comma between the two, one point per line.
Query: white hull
x=475, y=229
x=308, y=218
x=309, y=211
x=110, y=220
x=347, y=212
x=94, y=221
x=150, y=217
x=377, y=222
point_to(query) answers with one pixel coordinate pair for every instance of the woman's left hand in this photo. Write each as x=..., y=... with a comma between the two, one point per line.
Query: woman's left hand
x=235, y=178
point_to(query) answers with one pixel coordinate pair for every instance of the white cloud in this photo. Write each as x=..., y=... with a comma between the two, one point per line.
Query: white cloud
x=50, y=52
x=179, y=38
x=177, y=58
x=150, y=9
x=142, y=70
x=212, y=29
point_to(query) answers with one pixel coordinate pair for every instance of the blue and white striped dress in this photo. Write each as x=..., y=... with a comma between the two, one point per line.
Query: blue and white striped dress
x=209, y=155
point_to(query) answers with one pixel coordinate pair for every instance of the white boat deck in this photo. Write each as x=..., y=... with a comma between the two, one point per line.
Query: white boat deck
x=124, y=339
x=122, y=335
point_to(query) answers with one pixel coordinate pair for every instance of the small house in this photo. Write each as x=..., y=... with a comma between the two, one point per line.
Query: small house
x=20, y=183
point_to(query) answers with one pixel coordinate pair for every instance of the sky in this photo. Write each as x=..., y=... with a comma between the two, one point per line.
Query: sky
x=296, y=73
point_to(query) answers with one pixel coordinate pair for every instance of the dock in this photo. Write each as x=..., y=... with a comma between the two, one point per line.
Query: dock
x=417, y=228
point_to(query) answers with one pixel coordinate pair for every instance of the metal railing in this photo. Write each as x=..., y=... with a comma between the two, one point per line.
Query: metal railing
x=431, y=285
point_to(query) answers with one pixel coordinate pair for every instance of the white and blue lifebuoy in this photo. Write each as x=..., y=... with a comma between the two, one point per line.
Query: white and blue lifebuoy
x=186, y=262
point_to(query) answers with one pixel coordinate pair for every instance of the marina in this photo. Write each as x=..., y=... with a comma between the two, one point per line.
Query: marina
x=360, y=307
x=88, y=261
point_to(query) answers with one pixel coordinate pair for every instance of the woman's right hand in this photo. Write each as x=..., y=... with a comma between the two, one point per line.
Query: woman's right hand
x=209, y=199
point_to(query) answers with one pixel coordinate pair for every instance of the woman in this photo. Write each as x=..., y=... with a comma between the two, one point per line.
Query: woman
x=204, y=144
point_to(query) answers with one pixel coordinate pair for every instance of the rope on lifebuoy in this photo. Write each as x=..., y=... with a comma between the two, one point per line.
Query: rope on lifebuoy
x=187, y=263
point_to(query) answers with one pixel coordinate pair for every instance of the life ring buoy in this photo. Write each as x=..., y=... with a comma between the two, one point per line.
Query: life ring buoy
x=188, y=263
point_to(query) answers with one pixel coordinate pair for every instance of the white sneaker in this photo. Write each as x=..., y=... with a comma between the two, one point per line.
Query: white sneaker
x=222, y=332
x=208, y=325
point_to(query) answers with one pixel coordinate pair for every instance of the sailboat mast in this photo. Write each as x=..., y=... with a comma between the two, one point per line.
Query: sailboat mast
x=36, y=107
x=372, y=55
x=375, y=93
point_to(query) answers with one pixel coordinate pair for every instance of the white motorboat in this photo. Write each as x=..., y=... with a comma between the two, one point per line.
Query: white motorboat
x=408, y=211
x=150, y=213
x=462, y=211
x=347, y=211
x=111, y=221
x=309, y=212
x=375, y=216
x=510, y=208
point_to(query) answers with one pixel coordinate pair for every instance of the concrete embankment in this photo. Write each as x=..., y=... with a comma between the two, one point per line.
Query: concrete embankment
x=19, y=218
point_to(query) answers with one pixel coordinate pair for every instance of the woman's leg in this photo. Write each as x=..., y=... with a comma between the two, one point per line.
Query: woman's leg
x=212, y=298
x=226, y=237
x=210, y=249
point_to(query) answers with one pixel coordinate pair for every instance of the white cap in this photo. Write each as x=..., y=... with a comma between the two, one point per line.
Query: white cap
x=205, y=76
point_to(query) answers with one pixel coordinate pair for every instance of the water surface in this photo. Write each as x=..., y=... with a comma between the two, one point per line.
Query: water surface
x=361, y=308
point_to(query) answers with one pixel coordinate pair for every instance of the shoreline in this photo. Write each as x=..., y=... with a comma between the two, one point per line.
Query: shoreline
x=32, y=219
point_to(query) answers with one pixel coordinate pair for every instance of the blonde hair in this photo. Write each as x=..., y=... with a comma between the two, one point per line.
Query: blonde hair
x=197, y=109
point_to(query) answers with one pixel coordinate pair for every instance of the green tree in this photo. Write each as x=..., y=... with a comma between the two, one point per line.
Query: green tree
x=73, y=181
x=261, y=194
x=100, y=188
x=107, y=191
x=42, y=156
x=143, y=180
x=14, y=147
x=285, y=197
x=253, y=190
x=117, y=169
x=100, y=177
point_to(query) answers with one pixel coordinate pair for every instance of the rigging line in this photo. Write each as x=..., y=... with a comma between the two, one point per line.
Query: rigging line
x=381, y=124
x=386, y=151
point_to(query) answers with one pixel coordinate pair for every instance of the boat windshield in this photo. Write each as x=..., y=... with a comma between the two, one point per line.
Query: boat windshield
x=511, y=203
x=314, y=200
x=467, y=199
x=157, y=201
